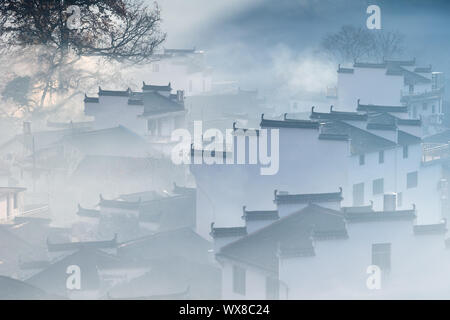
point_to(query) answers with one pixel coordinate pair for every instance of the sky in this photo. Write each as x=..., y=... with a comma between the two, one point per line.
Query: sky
x=267, y=43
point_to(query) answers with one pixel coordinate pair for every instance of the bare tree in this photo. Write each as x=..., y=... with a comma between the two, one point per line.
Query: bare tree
x=387, y=44
x=112, y=30
x=350, y=44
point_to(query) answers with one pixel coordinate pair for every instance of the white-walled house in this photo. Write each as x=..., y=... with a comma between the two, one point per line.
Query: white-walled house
x=390, y=163
x=113, y=108
x=314, y=252
x=366, y=154
x=186, y=69
x=163, y=112
x=393, y=83
x=153, y=113
x=222, y=190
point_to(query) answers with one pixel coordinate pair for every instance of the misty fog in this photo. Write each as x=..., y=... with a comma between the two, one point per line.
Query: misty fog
x=248, y=149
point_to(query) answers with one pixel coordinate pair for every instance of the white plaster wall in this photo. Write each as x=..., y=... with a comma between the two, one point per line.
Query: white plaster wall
x=338, y=271
x=114, y=111
x=255, y=283
x=371, y=85
x=370, y=171
x=307, y=165
x=179, y=77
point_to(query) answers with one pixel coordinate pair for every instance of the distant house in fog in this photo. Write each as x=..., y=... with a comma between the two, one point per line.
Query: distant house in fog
x=171, y=264
x=99, y=266
x=142, y=213
x=27, y=156
x=186, y=69
x=154, y=113
x=180, y=263
x=311, y=251
x=13, y=289
x=220, y=110
x=11, y=203
x=393, y=83
x=367, y=154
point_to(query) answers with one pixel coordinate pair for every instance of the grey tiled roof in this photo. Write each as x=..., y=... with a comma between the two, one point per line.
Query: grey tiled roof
x=91, y=99
x=430, y=229
x=82, y=212
x=149, y=87
x=382, y=121
x=155, y=104
x=227, y=232
x=260, y=215
x=288, y=236
x=371, y=216
x=120, y=204
x=113, y=93
x=380, y=108
x=361, y=141
x=308, y=198
x=338, y=115
x=289, y=123
x=405, y=138
x=409, y=122
x=108, y=244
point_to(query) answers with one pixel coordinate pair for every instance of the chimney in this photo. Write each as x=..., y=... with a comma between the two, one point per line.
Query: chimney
x=180, y=95
x=390, y=202
x=26, y=127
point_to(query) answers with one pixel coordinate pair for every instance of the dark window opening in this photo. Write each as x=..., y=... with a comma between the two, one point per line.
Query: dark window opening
x=381, y=255
x=405, y=152
x=358, y=194
x=381, y=157
x=272, y=288
x=378, y=186
x=362, y=160
x=238, y=280
x=412, y=180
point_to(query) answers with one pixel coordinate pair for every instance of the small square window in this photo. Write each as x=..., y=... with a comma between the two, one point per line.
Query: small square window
x=362, y=160
x=378, y=186
x=358, y=194
x=412, y=180
x=405, y=152
x=381, y=255
x=381, y=157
